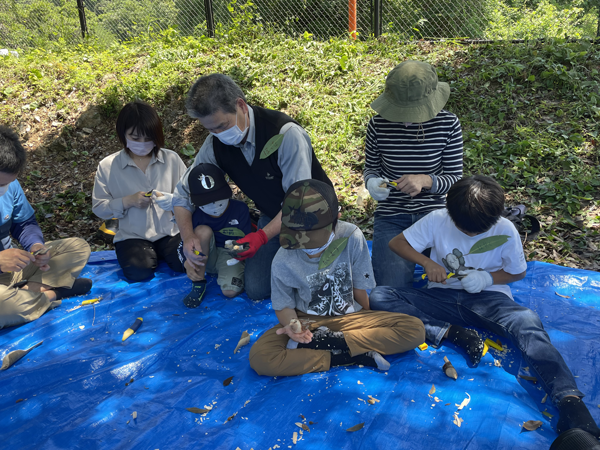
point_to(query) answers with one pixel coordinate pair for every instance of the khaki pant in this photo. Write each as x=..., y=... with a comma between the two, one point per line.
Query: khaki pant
x=17, y=306
x=382, y=331
x=230, y=278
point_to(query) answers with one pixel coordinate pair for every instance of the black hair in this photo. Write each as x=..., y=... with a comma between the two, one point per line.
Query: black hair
x=12, y=154
x=143, y=119
x=212, y=93
x=475, y=203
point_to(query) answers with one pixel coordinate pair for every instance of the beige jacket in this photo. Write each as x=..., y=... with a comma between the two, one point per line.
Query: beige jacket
x=118, y=176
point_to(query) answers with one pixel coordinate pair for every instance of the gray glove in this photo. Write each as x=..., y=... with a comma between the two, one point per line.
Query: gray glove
x=378, y=193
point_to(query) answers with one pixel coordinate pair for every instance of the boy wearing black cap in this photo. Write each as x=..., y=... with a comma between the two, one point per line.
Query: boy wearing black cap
x=319, y=283
x=217, y=218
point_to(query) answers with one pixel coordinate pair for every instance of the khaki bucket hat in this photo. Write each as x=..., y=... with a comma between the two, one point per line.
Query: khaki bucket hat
x=412, y=93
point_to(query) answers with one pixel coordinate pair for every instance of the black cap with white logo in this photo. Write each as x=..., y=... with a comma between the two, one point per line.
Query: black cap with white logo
x=207, y=185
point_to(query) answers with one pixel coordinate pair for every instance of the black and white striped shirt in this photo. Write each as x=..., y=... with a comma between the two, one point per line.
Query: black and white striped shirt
x=393, y=149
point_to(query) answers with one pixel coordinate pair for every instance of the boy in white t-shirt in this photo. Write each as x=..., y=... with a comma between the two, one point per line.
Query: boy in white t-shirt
x=483, y=250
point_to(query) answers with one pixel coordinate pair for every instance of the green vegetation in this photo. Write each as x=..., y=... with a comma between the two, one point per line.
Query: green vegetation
x=35, y=23
x=529, y=113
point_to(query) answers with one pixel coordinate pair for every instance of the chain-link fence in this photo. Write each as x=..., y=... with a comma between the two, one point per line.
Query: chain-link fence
x=29, y=23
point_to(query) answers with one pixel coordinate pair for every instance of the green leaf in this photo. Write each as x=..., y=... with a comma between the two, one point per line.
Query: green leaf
x=531, y=78
x=271, y=146
x=232, y=231
x=488, y=243
x=332, y=252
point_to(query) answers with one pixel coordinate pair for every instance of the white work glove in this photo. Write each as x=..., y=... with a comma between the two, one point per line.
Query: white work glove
x=164, y=201
x=378, y=193
x=476, y=281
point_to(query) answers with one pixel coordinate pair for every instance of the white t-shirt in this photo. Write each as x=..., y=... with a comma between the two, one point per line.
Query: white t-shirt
x=450, y=248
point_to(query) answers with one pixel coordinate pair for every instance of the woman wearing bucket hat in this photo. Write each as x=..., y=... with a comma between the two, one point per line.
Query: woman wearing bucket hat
x=414, y=153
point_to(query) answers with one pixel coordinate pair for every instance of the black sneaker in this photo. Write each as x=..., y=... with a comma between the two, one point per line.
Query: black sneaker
x=196, y=295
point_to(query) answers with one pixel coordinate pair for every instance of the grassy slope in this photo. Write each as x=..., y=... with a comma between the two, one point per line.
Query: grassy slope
x=528, y=112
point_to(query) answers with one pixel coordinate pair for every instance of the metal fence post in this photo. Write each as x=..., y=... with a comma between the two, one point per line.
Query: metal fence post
x=210, y=18
x=376, y=17
x=82, y=21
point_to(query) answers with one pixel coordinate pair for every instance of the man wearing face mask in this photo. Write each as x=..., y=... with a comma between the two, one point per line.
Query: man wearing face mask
x=217, y=218
x=237, y=144
x=34, y=279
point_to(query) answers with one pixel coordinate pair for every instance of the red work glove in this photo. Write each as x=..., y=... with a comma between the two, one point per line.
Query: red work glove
x=256, y=240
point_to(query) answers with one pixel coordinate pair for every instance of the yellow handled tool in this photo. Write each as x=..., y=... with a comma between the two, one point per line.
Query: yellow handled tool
x=449, y=275
x=90, y=301
x=133, y=328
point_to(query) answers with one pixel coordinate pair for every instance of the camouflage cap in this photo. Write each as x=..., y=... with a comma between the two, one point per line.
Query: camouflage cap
x=309, y=210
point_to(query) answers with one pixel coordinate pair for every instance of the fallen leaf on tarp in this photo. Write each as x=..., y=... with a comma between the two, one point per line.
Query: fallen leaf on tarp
x=563, y=296
x=356, y=427
x=547, y=414
x=437, y=399
x=545, y=398
x=531, y=425
x=227, y=382
x=198, y=410
x=432, y=390
x=231, y=417
x=128, y=422
x=19, y=401
x=16, y=355
x=446, y=404
x=303, y=426
x=294, y=437
x=302, y=417
x=525, y=377
x=134, y=415
x=497, y=363
x=465, y=402
x=244, y=340
x=310, y=422
x=371, y=401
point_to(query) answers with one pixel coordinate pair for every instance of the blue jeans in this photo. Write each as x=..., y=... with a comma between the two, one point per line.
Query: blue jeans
x=257, y=275
x=390, y=269
x=439, y=308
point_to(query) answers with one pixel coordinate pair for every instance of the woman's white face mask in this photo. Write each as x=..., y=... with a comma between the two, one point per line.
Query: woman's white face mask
x=140, y=148
x=216, y=208
x=233, y=135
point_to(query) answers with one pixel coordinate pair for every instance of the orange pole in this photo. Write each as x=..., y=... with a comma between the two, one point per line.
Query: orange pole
x=352, y=18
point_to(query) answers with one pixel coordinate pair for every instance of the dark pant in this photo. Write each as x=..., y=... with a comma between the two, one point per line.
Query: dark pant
x=390, y=269
x=257, y=274
x=139, y=258
x=439, y=308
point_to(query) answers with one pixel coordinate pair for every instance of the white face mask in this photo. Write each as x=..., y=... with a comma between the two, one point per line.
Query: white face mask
x=233, y=135
x=314, y=251
x=215, y=208
x=4, y=189
x=140, y=148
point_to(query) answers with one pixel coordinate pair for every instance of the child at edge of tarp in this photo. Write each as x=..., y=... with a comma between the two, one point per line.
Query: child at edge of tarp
x=216, y=218
x=475, y=253
x=319, y=282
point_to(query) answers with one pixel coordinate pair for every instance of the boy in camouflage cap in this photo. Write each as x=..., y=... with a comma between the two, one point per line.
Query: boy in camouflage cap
x=319, y=282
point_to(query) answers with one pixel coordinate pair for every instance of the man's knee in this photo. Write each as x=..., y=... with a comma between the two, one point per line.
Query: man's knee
x=257, y=291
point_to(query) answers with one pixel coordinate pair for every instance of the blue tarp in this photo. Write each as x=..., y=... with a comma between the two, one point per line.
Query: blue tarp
x=77, y=390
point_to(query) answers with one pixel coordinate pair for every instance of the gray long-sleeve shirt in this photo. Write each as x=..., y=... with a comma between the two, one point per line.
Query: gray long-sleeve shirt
x=294, y=158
